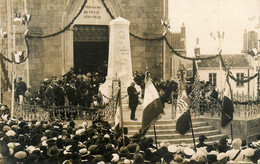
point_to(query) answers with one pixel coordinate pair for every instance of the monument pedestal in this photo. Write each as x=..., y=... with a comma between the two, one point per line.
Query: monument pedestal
x=119, y=60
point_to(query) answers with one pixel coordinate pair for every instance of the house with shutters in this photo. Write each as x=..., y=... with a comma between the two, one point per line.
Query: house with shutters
x=241, y=66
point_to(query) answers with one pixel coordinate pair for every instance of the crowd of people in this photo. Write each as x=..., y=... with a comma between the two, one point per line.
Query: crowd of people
x=61, y=142
x=72, y=90
x=76, y=88
x=56, y=142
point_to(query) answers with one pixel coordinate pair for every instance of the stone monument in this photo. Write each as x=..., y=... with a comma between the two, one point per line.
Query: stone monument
x=119, y=59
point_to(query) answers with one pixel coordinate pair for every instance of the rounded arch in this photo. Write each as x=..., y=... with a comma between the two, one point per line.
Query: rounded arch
x=71, y=9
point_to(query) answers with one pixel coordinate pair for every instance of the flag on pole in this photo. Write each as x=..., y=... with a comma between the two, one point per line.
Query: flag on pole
x=182, y=102
x=183, y=122
x=118, y=104
x=152, y=107
x=227, y=106
x=18, y=56
x=253, y=52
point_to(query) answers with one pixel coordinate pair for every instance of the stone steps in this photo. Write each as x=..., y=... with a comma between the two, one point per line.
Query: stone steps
x=166, y=127
x=171, y=131
x=163, y=126
x=176, y=135
x=189, y=140
x=157, y=122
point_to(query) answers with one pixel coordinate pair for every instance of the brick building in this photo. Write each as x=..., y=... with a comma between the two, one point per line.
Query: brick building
x=86, y=42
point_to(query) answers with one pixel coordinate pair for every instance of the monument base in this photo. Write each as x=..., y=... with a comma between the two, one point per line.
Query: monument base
x=106, y=89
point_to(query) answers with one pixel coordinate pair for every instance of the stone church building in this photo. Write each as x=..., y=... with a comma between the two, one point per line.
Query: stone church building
x=85, y=43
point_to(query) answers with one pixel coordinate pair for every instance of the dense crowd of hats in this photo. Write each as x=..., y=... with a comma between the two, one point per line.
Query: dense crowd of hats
x=98, y=142
x=58, y=142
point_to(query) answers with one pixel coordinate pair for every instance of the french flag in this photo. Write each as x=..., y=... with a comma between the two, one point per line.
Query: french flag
x=152, y=107
x=253, y=52
x=227, y=106
x=118, y=105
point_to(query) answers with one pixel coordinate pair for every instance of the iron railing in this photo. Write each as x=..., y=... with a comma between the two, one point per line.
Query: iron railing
x=36, y=112
x=245, y=107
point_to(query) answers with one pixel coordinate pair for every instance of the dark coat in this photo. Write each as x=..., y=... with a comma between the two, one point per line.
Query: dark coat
x=201, y=144
x=133, y=97
x=49, y=97
x=59, y=95
x=71, y=92
x=21, y=88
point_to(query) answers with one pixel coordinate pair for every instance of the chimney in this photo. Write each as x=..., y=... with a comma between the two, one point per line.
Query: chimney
x=197, y=48
x=245, y=41
x=183, y=37
x=183, y=30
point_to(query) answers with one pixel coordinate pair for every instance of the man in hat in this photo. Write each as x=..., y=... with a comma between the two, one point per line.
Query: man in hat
x=96, y=81
x=71, y=91
x=202, y=139
x=70, y=74
x=59, y=94
x=54, y=79
x=42, y=89
x=20, y=89
x=222, y=146
x=133, y=99
x=49, y=98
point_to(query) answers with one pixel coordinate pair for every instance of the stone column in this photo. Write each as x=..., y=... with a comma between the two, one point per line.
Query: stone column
x=119, y=59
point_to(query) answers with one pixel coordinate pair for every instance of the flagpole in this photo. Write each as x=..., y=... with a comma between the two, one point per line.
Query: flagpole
x=13, y=73
x=231, y=95
x=231, y=128
x=121, y=114
x=155, y=137
x=192, y=132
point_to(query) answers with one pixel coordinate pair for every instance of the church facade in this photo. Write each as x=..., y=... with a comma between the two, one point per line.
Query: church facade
x=69, y=33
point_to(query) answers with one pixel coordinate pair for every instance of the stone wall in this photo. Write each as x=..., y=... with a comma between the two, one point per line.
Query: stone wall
x=244, y=129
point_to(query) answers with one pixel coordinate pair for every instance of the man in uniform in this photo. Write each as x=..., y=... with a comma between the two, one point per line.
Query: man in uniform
x=133, y=99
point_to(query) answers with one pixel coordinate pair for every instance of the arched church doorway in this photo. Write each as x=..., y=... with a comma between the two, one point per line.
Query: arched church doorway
x=91, y=48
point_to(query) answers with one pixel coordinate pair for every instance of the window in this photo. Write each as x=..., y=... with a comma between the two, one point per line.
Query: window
x=240, y=76
x=213, y=79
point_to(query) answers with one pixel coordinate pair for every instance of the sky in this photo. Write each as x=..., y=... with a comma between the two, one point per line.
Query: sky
x=201, y=17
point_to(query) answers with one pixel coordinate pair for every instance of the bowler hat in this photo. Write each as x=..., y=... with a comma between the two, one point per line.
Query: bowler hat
x=138, y=158
x=136, y=137
x=123, y=151
x=202, y=137
x=223, y=141
x=53, y=151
